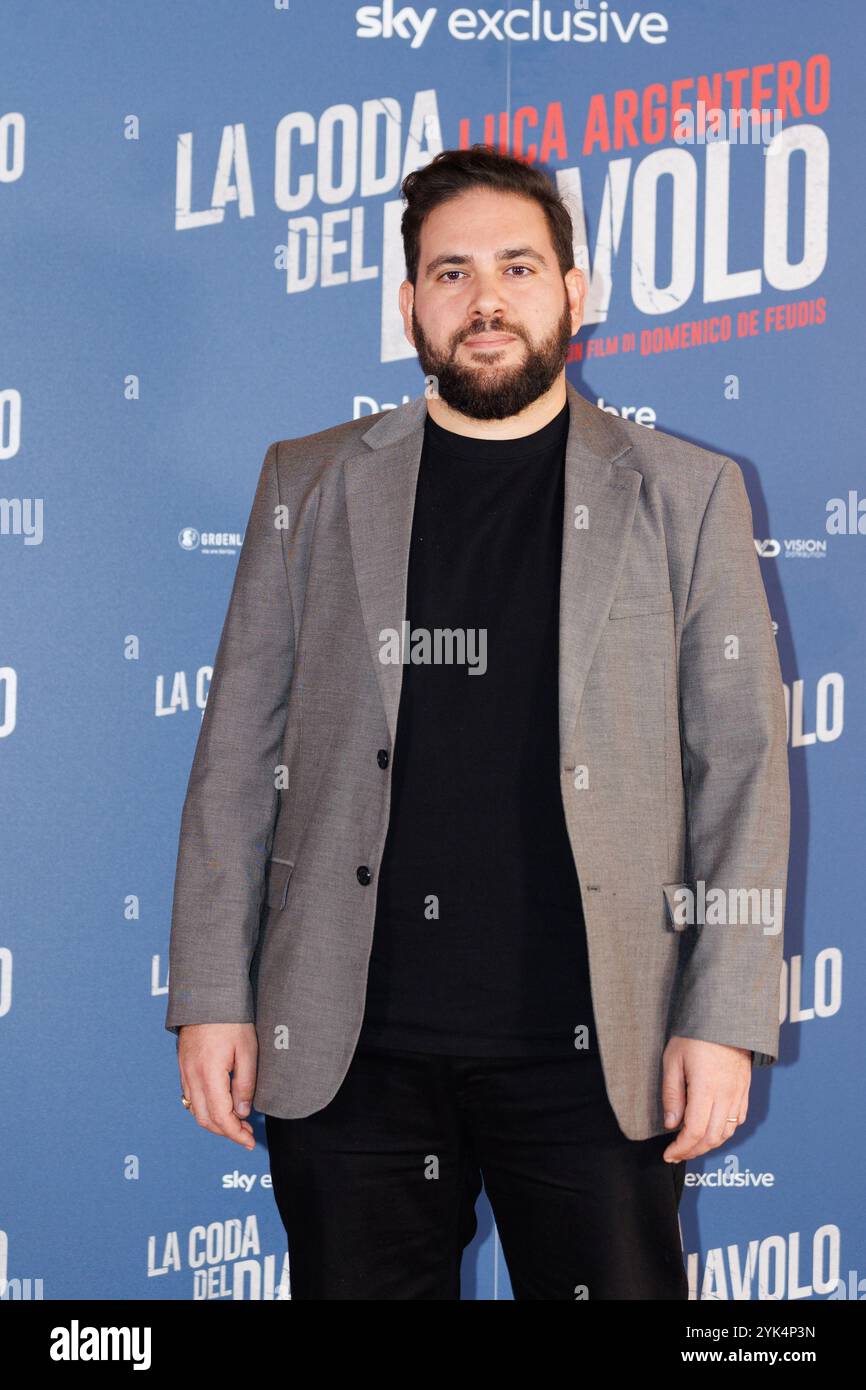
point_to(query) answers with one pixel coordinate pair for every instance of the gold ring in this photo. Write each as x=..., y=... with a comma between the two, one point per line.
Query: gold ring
x=186, y=1102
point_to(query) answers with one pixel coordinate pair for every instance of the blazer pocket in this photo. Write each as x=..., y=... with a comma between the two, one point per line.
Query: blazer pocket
x=674, y=907
x=279, y=873
x=641, y=605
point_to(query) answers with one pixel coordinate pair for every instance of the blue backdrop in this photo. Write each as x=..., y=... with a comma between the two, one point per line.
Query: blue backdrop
x=201, y=253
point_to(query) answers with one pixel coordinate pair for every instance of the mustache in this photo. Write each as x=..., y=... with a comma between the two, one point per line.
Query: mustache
x=478, y=328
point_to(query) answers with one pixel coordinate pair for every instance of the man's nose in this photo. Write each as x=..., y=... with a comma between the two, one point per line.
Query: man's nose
x=487, y=300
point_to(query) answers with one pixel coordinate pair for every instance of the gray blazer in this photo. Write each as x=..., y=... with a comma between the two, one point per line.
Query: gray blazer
x=673, y=766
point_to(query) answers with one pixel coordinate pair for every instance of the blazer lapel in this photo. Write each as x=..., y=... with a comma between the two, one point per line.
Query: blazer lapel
x=600, y=495
x=380, y=501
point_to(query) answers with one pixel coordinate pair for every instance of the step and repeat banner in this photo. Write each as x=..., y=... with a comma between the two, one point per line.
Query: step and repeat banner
x=201, y=254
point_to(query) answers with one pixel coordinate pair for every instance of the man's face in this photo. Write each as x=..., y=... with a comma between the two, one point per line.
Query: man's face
x=491, y=318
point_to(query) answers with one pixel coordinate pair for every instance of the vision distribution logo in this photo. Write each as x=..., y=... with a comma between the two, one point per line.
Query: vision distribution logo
x=533, y=23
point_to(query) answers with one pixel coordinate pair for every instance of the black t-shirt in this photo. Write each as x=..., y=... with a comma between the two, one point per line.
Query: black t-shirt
x=479, y=943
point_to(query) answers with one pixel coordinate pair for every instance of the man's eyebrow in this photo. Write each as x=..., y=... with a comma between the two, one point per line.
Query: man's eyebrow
x=508, y=253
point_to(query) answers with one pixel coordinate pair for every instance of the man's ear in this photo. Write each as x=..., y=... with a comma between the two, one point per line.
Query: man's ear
x=406, y=299
x=575, y=288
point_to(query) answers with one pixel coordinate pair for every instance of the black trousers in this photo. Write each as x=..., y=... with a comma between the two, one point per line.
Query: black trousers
x=377, y=1191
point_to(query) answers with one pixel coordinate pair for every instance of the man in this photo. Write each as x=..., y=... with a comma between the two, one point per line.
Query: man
x=495, y=717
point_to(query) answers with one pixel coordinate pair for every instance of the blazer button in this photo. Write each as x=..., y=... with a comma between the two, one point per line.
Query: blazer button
x=382, y=757
x=364, y=875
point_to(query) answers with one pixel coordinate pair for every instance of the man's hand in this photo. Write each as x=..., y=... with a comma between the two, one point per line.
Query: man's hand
x=206, y=1054
x=708, y=1083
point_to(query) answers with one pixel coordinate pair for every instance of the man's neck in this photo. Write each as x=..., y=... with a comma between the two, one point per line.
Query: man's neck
x=533, y=418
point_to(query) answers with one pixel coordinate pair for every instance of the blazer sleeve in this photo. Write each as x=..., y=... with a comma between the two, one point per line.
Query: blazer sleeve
x=228, y=816
x=733, y=733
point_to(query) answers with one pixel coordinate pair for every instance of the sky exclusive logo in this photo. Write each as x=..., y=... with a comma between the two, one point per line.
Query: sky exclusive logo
x=533, y=22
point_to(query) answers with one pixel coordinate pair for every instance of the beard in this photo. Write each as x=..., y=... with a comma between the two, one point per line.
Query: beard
x=487, y=391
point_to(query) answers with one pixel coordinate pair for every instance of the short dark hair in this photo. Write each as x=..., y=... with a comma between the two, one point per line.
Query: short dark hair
x=452, y=172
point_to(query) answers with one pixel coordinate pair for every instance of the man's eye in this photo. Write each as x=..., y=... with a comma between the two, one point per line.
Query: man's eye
x=527, y=268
